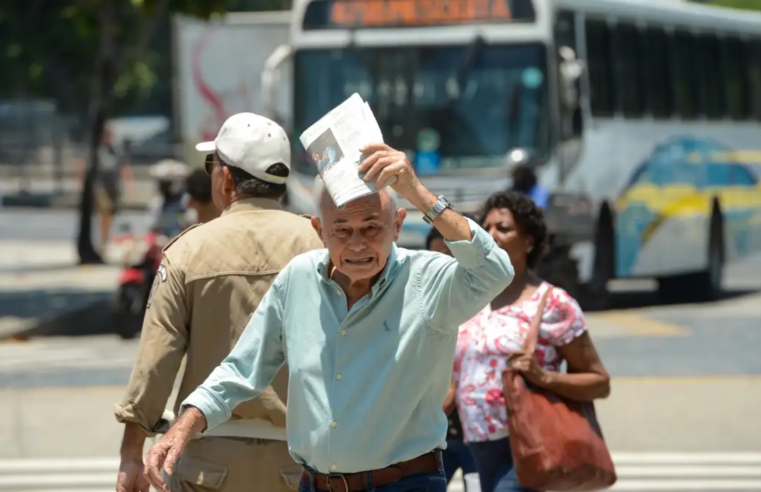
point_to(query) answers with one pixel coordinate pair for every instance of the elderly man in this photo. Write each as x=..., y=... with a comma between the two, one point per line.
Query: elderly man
x=368, y=331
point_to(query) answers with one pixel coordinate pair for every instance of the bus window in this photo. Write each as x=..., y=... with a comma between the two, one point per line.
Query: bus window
x=600, y=68
x=628, y=45
x=736, y=76
x=657, y=69
x=712, y=88
x=565, y=29
x=685, y=76
x=754, y=73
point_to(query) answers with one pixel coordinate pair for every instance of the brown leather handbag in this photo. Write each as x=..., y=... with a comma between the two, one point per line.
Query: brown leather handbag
x=557, y=444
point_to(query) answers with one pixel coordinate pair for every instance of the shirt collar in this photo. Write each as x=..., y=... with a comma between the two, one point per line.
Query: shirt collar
x=388, y=270
x=252, y=204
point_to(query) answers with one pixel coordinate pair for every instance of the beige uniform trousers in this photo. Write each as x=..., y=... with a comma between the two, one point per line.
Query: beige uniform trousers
x=235, y=465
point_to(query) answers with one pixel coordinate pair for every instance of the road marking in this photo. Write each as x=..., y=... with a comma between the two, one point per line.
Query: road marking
x=708, y=378
x=635, y=324
x=688, y=485
x=674, y=471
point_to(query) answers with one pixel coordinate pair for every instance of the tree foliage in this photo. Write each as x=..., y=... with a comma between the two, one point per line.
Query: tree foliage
x=734, y=4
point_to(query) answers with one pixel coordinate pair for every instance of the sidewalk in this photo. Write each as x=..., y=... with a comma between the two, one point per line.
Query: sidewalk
x=46, y=192
x=42, y=288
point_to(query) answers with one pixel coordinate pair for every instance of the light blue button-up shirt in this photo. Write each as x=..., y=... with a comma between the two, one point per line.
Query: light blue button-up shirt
x=366, y=384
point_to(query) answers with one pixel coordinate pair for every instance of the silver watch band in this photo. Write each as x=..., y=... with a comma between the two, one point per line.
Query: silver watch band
x=437, y=209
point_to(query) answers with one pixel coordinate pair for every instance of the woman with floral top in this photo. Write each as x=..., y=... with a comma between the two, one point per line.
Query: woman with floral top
x=493, y=339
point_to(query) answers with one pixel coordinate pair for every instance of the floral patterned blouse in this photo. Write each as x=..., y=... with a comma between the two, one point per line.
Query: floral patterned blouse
x=488, y=338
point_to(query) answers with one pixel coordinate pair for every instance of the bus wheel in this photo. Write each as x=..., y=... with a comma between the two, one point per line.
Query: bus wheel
x=705, y=285
x=595, y=294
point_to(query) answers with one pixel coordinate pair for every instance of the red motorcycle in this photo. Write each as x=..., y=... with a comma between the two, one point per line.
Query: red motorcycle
x=141, y=259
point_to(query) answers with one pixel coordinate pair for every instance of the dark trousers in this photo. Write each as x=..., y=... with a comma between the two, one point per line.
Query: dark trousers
x=457, y=455
x=494, y=462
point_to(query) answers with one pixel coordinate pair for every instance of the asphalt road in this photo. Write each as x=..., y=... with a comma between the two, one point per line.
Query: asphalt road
x=682, y=415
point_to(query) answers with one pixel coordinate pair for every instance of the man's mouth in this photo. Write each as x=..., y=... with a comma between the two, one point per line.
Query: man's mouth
x=359, y=261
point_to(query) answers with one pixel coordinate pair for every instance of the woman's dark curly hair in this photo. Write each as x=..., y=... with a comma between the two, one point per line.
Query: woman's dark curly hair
x=526, y=214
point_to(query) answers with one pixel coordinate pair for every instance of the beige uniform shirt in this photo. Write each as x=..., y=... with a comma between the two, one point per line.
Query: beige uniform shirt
x=210, y=282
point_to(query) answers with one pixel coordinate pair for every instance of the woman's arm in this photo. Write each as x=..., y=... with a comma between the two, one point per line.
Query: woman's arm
x=586, y=379
x=449, y=401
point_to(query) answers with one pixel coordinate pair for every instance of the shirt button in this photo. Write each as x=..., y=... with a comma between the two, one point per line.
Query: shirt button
x=334, y=467
x=339, y=377
x=334, y=424
x=343, y=332
x=339, y=292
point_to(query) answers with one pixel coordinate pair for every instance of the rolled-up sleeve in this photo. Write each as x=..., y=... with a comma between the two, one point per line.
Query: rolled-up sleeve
x=251, y=366
x=163, y=342
x=453, y=290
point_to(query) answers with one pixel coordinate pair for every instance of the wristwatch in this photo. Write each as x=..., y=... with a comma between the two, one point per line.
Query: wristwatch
x=437, y=209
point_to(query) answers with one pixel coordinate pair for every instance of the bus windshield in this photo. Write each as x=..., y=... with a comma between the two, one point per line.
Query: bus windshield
x=467, y=106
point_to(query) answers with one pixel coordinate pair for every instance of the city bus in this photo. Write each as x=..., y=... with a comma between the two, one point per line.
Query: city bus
x=635, y=114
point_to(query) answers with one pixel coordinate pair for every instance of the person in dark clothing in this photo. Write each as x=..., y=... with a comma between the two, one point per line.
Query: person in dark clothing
x=199, y=202
x=457, y=455
x=526, y=182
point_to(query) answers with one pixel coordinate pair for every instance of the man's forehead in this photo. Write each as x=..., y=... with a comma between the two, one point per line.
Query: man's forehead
x=363, y=209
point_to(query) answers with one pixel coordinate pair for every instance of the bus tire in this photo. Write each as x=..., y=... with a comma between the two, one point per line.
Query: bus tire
x=701, y=286
x=595, y=294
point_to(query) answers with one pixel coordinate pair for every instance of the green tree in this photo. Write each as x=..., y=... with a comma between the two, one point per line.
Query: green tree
x=94, y=58
x=734, y=4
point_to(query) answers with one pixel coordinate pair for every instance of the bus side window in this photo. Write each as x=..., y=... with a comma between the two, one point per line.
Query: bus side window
x=685, y=75
x=735, y=63
x=600, y=67
x=754, y=64
x=711, y=72
x=629, y=60
x=657, y=69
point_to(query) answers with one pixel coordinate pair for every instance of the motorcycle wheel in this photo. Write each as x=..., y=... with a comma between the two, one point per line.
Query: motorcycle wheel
x=129, y=312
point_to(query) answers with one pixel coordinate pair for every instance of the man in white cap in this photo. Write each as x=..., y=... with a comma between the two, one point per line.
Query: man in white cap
x=210, y=282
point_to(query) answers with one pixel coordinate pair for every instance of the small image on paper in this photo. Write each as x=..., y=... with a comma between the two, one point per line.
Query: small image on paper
x=325, y=151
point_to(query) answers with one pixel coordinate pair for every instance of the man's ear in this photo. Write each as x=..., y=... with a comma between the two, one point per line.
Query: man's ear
x=317, y=226
x=401, y=214
x=228, y=185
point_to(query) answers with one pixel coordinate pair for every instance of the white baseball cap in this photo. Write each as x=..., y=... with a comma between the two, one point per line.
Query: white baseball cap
x=252, y=143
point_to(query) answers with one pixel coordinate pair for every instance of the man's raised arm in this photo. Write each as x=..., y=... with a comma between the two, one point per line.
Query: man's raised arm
x=451, y=290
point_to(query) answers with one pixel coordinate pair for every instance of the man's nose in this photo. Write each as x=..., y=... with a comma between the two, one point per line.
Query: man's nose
x=357, y=241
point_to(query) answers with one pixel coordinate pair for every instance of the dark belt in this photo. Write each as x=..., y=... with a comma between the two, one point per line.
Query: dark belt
x=356, y=482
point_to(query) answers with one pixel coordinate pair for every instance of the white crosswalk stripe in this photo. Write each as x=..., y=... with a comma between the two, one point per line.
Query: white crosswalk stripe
x=681, y=472
x=43, y=354
x=638, y=472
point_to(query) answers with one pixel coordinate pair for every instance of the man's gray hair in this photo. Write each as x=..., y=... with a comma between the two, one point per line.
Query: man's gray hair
x=319, y=190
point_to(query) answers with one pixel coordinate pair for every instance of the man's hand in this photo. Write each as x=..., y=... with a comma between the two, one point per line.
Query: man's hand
x=386, y=163
x=529, y=367
x=130, y=478
x=165, y=453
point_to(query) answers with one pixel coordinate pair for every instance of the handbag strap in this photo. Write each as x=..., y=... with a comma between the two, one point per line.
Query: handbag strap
x=532, y=337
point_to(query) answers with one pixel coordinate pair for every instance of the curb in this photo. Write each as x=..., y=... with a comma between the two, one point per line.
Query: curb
x=57, y=201
x=93, y=319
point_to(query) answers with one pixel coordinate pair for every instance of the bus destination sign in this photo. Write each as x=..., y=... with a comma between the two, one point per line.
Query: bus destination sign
x=409, y=13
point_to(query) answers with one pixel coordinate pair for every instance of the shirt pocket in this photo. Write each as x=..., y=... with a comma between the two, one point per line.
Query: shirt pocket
x=201, y=472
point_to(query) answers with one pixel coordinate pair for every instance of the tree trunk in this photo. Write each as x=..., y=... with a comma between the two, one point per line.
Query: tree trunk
x=100, y=110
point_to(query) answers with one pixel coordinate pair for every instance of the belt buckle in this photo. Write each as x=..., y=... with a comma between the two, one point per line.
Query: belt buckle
x=343, y=479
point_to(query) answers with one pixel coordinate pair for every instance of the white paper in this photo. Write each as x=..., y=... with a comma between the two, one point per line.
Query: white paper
x=334, y=143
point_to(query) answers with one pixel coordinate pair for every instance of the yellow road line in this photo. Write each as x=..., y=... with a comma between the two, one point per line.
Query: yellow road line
x=641, y=326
